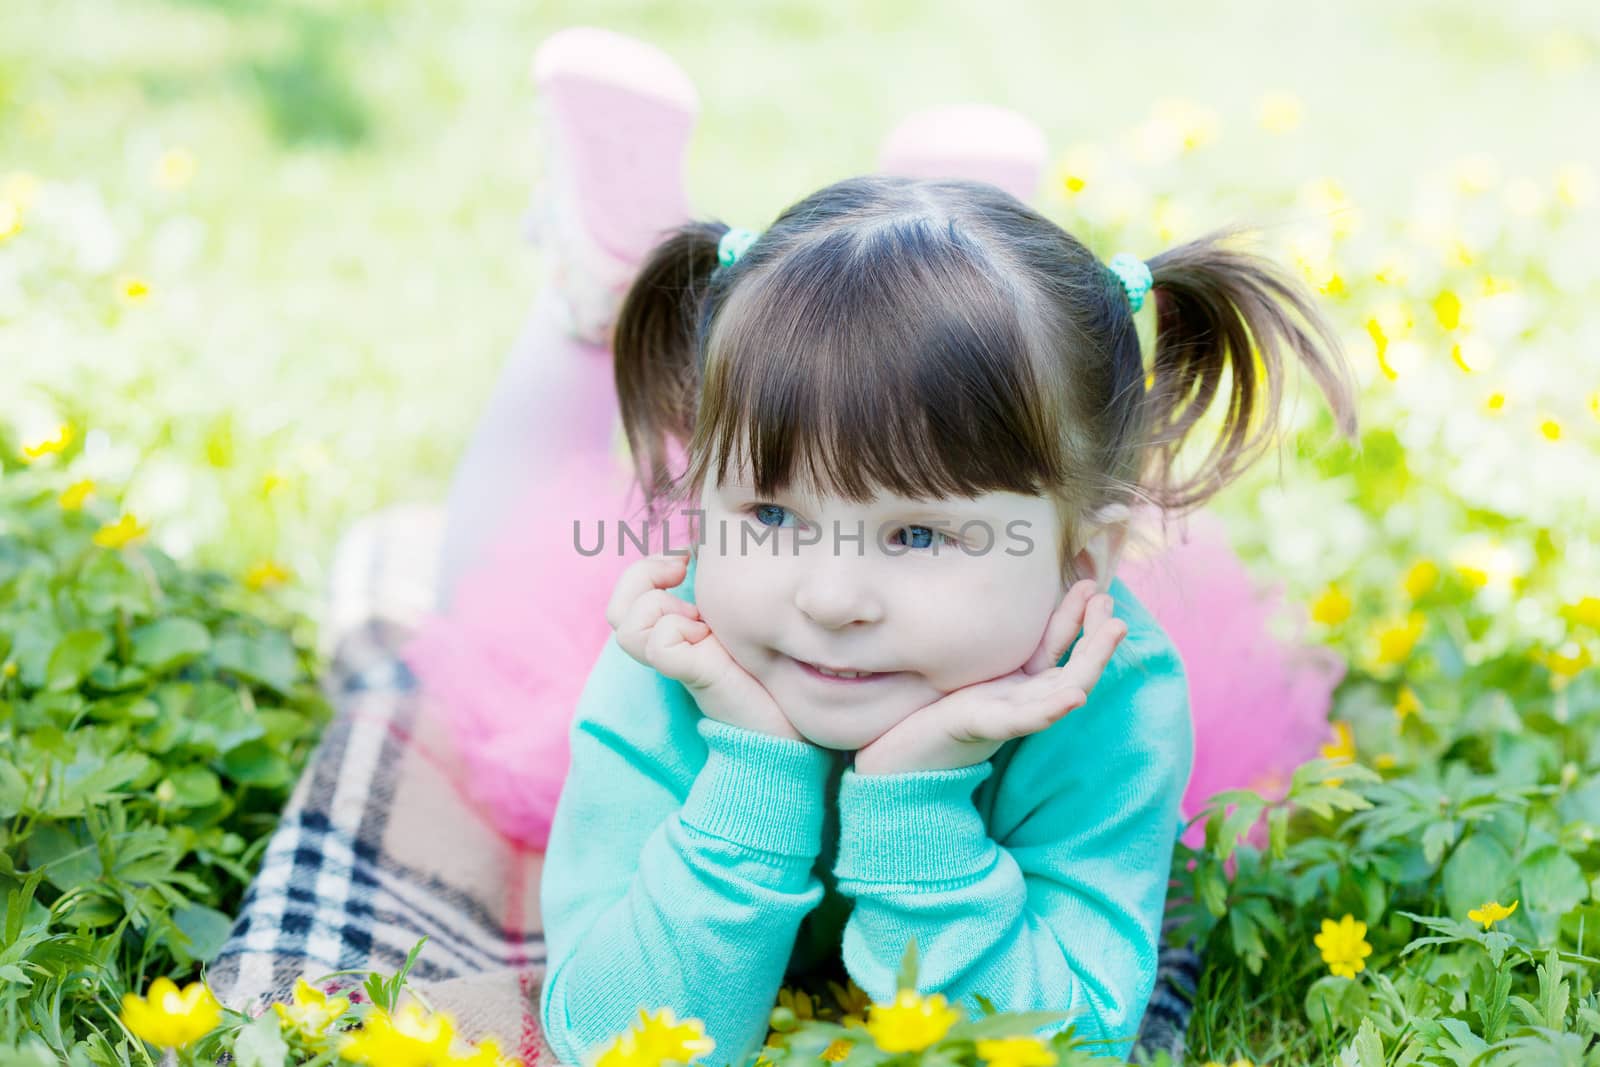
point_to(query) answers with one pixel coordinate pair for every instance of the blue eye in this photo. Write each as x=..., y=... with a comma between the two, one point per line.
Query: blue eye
x=918, y=540
x=763, y=512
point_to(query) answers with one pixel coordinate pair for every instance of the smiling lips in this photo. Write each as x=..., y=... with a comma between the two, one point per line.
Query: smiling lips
x=841, y=676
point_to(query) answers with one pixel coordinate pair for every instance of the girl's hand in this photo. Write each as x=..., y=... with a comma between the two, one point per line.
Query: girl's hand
x=969, y=725
x=664, y=631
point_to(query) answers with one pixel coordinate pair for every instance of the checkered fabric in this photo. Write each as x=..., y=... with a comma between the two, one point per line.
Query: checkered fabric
x=378, y=847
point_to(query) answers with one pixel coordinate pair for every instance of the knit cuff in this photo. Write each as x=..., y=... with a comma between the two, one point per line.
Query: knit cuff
x=758, y=790
x=912, y=827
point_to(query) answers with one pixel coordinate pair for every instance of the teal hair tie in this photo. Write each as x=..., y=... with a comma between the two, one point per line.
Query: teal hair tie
x=734, y=244
x=1135, y=276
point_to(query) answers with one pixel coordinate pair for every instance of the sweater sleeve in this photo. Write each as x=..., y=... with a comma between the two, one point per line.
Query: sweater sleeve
x=670, y=885
x=1061, y=908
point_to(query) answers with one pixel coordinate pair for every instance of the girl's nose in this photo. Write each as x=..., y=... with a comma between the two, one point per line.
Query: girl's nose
x=835, y=597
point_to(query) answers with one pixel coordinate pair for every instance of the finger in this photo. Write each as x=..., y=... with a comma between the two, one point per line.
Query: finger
x=1027, y=713
x=1102, y=634
x=1062, y=628
x=660, y=571
x=675, y=648
x=643, y=616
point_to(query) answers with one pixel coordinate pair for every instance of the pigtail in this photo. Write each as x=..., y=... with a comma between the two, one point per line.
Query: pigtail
x=654, y=351
x=1217, y=309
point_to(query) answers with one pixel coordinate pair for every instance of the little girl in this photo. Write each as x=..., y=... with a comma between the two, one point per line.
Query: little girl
x=884, y=683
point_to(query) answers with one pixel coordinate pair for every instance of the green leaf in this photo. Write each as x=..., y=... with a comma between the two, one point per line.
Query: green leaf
x=107, y=584
x=261, y=1043
x=13, y=789
x=1552, y=881
x=1278, y=831
x=907, y=978
x=1438, y=837
x=1478, y=870
x=256, y=764
x=1008, y=1024
x=194, y=787
x=206, y=929
x=267, y=658
x=1213, y=887
x=67, y=855
x=75, y=655
x=168, y=643
x=1335, y=1001
x=1369, y=1045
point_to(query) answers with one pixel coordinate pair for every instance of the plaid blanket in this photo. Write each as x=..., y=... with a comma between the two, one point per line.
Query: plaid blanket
x=378, y=847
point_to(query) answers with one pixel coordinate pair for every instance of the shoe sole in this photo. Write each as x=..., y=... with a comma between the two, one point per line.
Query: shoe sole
x=623, y=111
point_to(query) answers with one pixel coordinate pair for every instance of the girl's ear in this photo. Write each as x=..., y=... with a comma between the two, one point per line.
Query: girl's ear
x=1108, y=533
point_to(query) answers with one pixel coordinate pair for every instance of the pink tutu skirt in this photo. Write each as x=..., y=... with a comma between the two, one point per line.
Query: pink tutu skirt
x=504, y=666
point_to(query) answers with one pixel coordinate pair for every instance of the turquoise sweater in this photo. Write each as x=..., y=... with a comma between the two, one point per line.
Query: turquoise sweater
x=698, y=866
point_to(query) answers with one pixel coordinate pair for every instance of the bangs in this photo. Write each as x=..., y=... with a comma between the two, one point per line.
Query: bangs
x=894, y=360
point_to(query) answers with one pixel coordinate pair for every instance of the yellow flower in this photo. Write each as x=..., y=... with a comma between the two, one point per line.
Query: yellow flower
x=1332, y=607
x=799, y=1002
x=1491, y=913
x=1447, y=308
x=623, y=1051
x=1566, y=662
x=1407, y=704
x=1380, y=341
x=1080, y=166
x=1016, y=1052
x=51, y=446
x=133, y=288
x=661, y=1037
x=1396, y=639
x=10, y=219
x=486, y=1054
x=837, y=1051
x=1551, y=428
x=912, y=1022
x=853, y=1001
x=408, y=1038
x=267, y=572
x=171, y=1018
x=1585, y=612
x=797, y=1005
x=1344, y=947
x=174, y=168
x=1343, y=749
x=1496, y=401
x=73, y=496
x=1420, y=578
x=119, y=533
x=1278, y=112
x=312, y=1012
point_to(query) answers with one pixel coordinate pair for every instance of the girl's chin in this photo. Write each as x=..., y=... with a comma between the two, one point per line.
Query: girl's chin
x=828, y=732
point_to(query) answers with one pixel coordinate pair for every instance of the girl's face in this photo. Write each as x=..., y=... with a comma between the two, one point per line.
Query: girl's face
x=927, y=596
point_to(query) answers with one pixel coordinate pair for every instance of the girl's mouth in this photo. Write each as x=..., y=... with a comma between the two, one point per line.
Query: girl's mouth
x=841, y=678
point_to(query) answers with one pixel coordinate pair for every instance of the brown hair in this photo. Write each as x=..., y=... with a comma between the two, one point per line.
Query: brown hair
x=940, y=337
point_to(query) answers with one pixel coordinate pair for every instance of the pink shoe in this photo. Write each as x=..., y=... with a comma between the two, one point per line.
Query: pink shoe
x=974, y=141
x=614, y=119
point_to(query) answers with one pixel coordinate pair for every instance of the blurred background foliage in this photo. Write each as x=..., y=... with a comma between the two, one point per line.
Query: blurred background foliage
x=247, y=241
